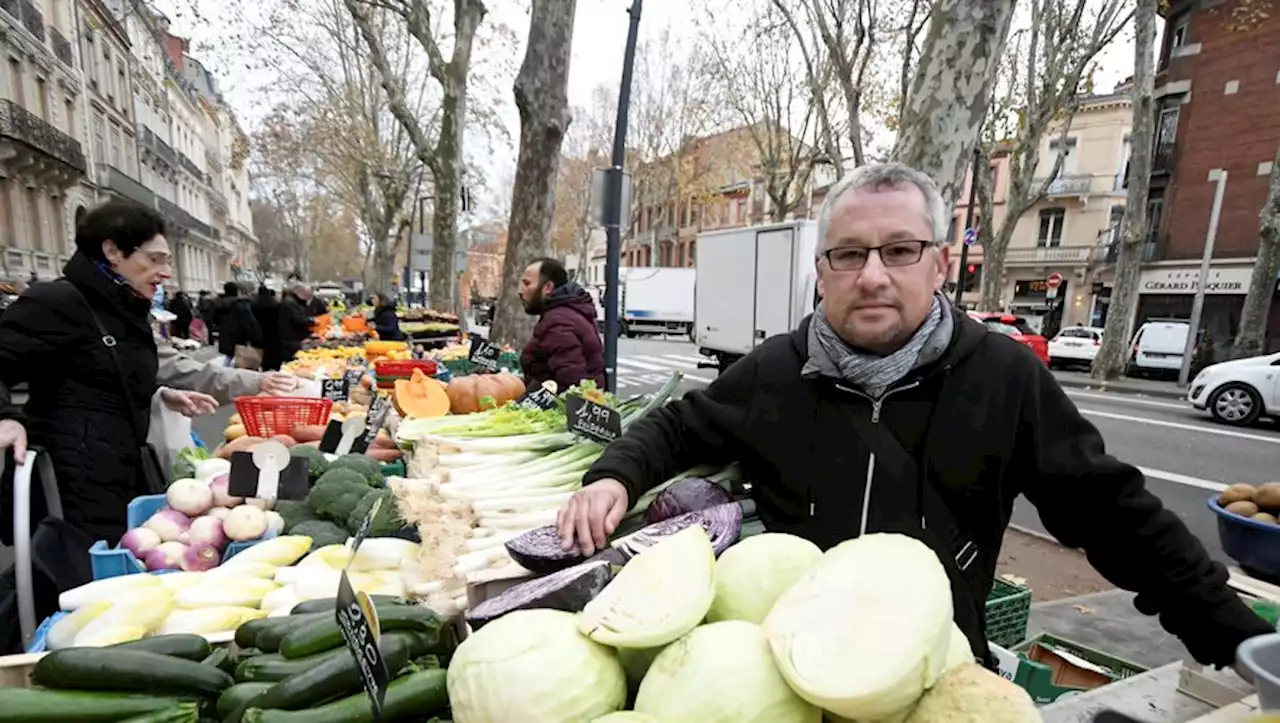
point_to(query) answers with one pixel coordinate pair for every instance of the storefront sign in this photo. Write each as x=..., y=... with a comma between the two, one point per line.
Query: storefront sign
x=1030, y=287
x=1186, y=281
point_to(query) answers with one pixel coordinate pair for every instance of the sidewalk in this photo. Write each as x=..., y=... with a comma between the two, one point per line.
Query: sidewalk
x=1123, y=385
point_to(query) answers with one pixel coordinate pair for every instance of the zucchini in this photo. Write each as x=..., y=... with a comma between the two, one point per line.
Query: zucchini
x=324, y=634
x=39, y=705
x=328, y=604
x=237, y=696
x=180, y=713
x=338, y=676
x=412, y=697
x=221, y=659
x=179, y=645
x=126, y=670
x=274, y=667
x=269, y=636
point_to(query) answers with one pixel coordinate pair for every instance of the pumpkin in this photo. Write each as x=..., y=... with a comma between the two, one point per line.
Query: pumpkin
x=467, y=394
x=421, y=396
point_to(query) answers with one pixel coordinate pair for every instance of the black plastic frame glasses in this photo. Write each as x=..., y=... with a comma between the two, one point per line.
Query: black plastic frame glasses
x=892, y=255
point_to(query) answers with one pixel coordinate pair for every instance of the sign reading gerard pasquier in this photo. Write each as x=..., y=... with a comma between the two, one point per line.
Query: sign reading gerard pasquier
x=1180, y=281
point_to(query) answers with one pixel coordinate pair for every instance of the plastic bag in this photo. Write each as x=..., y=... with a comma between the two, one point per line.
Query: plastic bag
x=170, y=433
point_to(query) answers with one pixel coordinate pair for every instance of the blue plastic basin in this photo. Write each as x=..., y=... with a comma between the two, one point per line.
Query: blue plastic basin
x=1253, y=544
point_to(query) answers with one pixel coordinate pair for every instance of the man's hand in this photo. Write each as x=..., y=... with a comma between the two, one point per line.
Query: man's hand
x=278, y=384
x=14, y=435
x=188, y=403
x=593, y=513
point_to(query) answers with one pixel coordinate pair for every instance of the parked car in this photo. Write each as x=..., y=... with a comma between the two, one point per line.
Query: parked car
x=1240, y=391
x=1075, y=345
x=1016, y=328
x=1158, y=347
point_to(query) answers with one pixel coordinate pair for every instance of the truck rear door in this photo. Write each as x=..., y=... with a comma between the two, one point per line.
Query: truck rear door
x=775, y=272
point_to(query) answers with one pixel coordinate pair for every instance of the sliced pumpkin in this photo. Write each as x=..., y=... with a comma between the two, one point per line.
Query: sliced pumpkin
x=421, y=396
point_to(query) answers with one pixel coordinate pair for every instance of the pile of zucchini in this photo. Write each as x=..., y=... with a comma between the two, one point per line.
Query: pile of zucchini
x=292, y=669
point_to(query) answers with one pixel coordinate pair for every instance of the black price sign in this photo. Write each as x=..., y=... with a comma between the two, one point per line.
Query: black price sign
x=268, y=472
x=336, y=390
x=353, y=379
x=591, y=420
x=484, y=353
x=378, y=412
x=358, y=621
x=538, y=398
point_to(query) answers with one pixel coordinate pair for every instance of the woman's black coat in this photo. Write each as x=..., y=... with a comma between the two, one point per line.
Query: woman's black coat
x=76, y=408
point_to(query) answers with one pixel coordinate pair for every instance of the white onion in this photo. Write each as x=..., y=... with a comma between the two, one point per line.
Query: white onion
x=166, y=556
x=168, y=524
x=189, y=496
x=221, y=496
x=207, y=531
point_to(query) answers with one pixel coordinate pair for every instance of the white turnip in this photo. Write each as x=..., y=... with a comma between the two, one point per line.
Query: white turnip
x=207, y=531
x=166, y=556
x=245, y=522
x=169, y=524
x=140, y=541
x=221, y=496
x=189, y=496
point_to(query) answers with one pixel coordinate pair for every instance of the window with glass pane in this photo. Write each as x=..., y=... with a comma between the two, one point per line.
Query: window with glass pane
x=1051, y=220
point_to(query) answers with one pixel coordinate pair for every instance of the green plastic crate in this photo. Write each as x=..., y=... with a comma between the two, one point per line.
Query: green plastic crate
x=1046, y=684
x=1008, y=608
x=460, y=367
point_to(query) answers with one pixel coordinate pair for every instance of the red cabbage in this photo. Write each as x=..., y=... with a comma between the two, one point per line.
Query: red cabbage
x=568, y=590
x=687, y=495
x=539, y=550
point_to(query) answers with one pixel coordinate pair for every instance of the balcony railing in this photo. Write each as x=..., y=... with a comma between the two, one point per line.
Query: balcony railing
x=24, y=126
x=61, y=47
x=28, y=14
x=1109, y=253
x=1048, y=255
x=218, y=198
x=1070, y=185
x=119, y=182
x=1164, y=158
x=157, y=145
x=191, y=167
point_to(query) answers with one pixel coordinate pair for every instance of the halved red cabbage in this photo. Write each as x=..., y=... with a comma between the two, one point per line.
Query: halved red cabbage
x=539, y=550
x=687, y=495
x=568, y=590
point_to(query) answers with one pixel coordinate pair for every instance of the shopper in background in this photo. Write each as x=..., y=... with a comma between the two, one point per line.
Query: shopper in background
x=205, y=309
x=84, y=346
x=316, y=306
x=180, y=307
x=565, y=347
x=295, y=321
x=239, y=337
x=385, y=321
x=266, y=309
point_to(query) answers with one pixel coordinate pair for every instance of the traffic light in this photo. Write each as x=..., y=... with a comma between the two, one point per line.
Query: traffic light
x=973, y=277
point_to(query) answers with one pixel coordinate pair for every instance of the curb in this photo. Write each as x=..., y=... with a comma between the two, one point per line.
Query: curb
x=1122, y=388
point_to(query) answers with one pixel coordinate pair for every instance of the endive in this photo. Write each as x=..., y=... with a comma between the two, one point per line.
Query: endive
x=205, y=621
x=62, y=634
x=108, y=589
x=145, y=610
x=245, y=592
x=278, y=551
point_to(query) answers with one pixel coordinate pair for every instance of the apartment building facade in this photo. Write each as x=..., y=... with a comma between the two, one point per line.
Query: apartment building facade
x=101, y=101
x=1218, y=109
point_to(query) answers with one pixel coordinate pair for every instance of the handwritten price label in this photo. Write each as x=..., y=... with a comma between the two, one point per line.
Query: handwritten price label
x=591, y=420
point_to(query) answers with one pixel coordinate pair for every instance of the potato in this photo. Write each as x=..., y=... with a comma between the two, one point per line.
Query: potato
x=233, y=432
x=1244, y=508
x=1266, y=517
x=235, y=419
x=1236, y=493
x=1268, y=495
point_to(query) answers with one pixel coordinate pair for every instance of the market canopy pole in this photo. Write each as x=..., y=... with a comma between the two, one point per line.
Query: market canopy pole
x=613, y=206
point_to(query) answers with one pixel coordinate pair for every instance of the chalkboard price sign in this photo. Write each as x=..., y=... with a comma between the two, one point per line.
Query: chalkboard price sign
x=484, y=353
x=591, y=420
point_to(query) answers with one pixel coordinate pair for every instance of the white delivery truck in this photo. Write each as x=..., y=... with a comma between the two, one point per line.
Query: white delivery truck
x=753, y=283
x=656, y=300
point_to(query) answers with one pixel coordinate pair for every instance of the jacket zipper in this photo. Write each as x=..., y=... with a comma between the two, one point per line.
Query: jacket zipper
x=876, y=405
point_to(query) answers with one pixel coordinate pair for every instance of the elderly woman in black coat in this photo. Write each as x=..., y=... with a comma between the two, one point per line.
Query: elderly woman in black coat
x=87, y=407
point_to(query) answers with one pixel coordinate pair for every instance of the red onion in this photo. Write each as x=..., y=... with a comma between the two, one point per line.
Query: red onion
x=140, y=541
x=168, y=524
x=166, y=556
x=221, y=497
x=199, y=558
x=207, y=531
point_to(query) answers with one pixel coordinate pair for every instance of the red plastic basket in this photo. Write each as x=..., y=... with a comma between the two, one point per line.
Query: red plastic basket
x=404, y=367
x=269, y=416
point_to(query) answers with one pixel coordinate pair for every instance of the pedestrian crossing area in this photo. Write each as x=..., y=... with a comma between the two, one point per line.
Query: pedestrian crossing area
x=651, y=370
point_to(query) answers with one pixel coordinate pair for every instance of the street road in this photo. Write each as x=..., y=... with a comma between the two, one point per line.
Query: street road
x=1185, y=455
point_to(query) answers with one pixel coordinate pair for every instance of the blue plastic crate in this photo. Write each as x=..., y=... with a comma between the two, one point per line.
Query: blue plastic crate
x=113, y=562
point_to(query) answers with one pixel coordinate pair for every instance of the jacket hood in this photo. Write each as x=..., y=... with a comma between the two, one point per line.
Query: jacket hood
x=571, y=296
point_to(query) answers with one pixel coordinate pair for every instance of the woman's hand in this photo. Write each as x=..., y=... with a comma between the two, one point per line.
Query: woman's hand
x=188, y=403
x=278, y=384
x=14, y=435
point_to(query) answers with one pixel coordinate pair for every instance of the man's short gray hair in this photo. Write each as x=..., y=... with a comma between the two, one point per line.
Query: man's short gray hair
x=882, y=176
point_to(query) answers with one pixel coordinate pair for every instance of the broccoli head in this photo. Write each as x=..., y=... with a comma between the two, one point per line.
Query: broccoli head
x=316, y=463
x=321, y=533
x=294, y=513
x=367, y=467
x=387, y=522
x=336, y=494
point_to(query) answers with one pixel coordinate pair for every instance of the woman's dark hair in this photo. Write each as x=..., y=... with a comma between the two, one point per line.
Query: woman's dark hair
x=552, y=270
x=126, y=223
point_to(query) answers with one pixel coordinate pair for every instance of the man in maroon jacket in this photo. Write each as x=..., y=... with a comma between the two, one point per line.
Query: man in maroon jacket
x=565, y=347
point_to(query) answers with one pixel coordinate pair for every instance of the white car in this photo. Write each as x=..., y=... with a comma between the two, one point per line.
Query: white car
x=1075, y=345
x=1239, y=391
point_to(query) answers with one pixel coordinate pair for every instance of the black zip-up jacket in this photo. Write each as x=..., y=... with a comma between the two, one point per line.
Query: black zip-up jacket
x=984, y=423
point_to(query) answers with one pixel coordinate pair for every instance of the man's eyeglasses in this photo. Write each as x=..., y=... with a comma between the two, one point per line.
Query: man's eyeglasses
x=853, y=258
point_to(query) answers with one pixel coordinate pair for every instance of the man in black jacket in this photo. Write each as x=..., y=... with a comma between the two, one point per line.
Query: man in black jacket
x=295, y=322
x=889, y=410
x=236, y=323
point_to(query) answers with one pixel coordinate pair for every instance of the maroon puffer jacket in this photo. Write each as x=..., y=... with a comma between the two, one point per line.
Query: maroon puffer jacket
x=565, y=346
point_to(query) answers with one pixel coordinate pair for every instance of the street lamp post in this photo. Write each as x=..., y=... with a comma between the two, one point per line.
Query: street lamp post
x=1197, y=305
x=962, y=272
x=613, y=206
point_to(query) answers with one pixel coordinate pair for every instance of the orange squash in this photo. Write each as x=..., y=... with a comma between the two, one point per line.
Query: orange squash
x=478, y=392
x=421, y=396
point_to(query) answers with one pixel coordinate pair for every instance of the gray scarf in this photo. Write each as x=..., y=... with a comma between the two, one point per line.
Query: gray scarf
x=829, y=355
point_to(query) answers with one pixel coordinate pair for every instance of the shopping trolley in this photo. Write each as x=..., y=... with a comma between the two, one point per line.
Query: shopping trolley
x=22, y=531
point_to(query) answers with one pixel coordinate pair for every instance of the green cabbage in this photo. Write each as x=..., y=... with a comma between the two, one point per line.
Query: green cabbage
x=973, y=694
x=662, y=593
x=866, y=631
x=721, y=673
x=626, y=716
x=533, y=666
x=753, y=574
